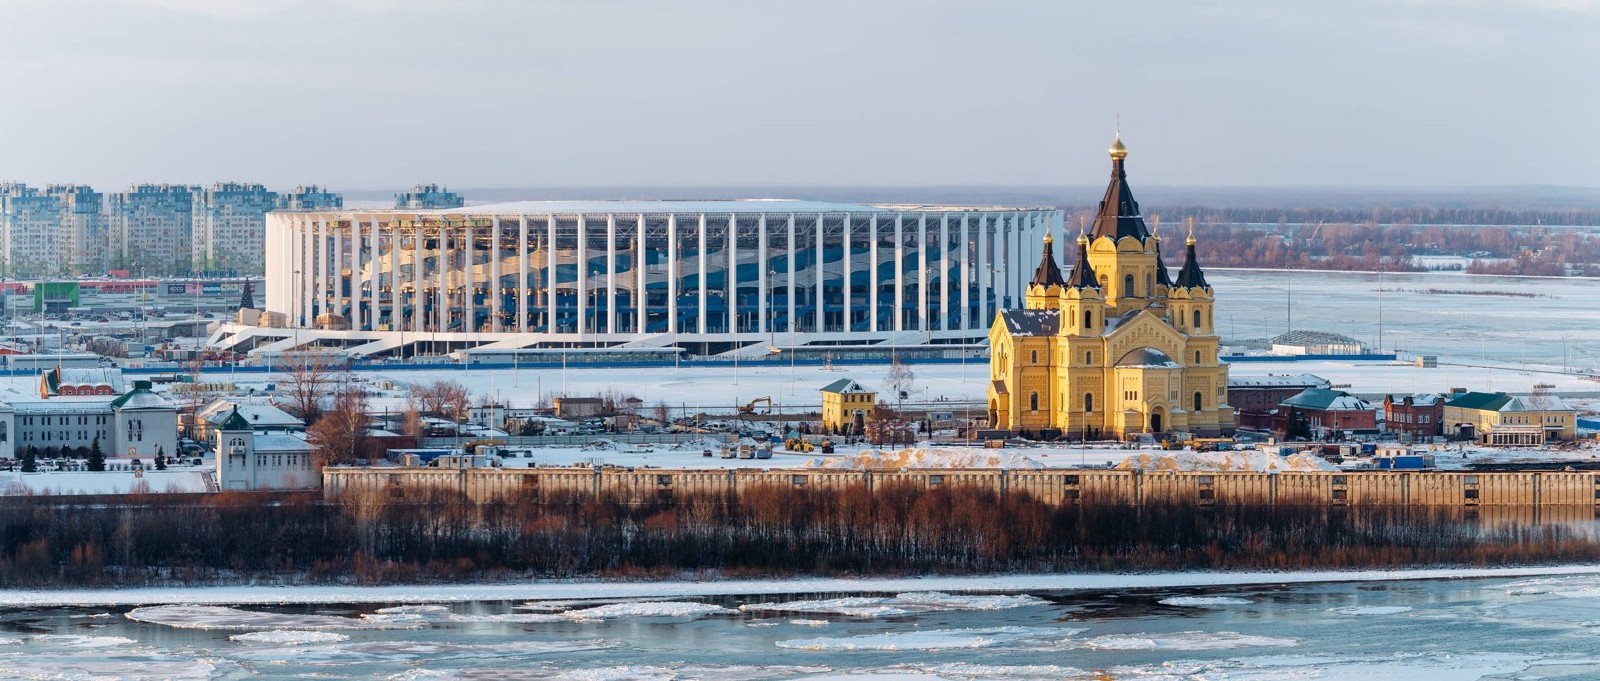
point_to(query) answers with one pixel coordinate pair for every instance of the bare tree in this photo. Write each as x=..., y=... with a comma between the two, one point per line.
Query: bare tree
x=411, y=422
x=342, y=434
x=313, y=377
x=899, y=378
x=443, y=399
x=663, y=413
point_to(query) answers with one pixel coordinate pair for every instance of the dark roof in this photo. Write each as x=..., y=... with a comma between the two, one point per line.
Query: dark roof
x=1032, y=322
x=1048, y=273
x=1119, y=213
x=1162, y=278
x=1000, y=388
x=235, y=421
x=844, y=385
x=1484, y=401
x=1191, y=276
x=1082, y=273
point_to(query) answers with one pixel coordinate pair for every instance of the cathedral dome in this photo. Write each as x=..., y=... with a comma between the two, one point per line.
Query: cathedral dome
x=1146, y=357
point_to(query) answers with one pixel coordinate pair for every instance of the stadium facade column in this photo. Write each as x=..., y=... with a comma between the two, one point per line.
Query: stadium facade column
x=700, y=283
x=791, y=326
x=820, y=299
x=494, y=274
x=319, y=264
x=964, y=322
x=872, y=271
x=523, y=283
x=944, y=272
x=844, y=260
x=611, y=273
x=355, y=273
x=469, y=280
x=550, y=310
x=764, y=299
x=922, y=272
x=641, y=269
x=417, y=242
x=731, y=280
x=672, y=275
x=582, y=285
x=899, y=273
x=985, y=275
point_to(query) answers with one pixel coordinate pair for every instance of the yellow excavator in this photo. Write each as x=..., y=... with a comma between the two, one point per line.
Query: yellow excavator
x=751, y=408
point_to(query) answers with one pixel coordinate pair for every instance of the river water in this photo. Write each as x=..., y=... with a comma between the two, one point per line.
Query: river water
x=1542, y=627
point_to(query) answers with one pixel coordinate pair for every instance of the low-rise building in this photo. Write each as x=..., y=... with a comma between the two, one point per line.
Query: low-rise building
x=80, y=381
x=1324, y=410
x=136, y=424
x=248, y=460
x=263, y=417
x=847, y=406
x=1420, y=415
x=1265, y=393
x=579, y=407
x=1502, y=419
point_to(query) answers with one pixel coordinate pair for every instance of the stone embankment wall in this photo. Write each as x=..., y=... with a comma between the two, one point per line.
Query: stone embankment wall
x=1059, y=486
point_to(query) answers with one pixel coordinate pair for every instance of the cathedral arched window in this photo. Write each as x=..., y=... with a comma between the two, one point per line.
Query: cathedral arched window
x=1197, y=406
x=1033, y=357
x=1033, y=401
x=1088, y=402
x=1149, y=284
x=1127, y=285
x=1088, y=357
x=1088, y=318
x=1196, y=356
x=1196, y=319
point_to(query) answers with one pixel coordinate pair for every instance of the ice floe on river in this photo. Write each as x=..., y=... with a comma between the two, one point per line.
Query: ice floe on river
x=910, y=603
x=411, y=651
x=1204, y=601
x=220, y=617
x=289, y=638
x=1188, y=640
x=1370, y=609
x=931, y=639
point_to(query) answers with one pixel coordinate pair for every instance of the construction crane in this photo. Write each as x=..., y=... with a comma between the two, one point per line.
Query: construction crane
x=751, y=408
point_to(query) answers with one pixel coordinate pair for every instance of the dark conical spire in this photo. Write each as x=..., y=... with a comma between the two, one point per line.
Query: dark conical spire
x=1048, y=273
x=1082, y=273
x=1162, y=278
x=1119, y=213
x=1191, y=276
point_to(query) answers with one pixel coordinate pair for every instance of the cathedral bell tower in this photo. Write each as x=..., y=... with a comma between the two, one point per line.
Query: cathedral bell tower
x=1122, y=250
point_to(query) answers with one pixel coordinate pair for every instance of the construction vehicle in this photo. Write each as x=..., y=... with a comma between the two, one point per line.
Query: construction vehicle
x=827, y=446
x=751, y=407
x=795, y=444
x=1199, y=444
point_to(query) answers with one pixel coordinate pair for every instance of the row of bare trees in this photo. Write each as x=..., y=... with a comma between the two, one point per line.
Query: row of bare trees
x=433, y=534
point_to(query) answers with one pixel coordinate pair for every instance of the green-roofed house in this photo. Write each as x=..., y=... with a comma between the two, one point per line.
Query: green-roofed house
x=1509, y=420
x=847, y=406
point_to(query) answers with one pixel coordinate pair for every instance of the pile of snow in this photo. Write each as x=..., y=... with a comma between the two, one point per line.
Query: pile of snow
x=926, y=457
x=1243, y=460
x=912, y=603
x=1188, y=640
x=289, y=638
x=700, y=444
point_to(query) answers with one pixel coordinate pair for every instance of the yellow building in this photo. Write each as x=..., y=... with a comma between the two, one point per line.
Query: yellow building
x=847, y=406
x=1117, y=347
x=1501, y=419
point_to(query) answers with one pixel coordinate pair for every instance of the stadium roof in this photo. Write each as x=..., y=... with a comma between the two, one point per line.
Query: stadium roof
x=686, y=206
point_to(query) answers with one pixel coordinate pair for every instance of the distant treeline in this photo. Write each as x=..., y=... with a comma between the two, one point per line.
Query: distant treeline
x=427, y=536
x=1370, y=247
x=1404, y=216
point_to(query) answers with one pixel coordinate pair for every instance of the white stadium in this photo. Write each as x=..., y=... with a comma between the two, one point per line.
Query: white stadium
x=707, y=277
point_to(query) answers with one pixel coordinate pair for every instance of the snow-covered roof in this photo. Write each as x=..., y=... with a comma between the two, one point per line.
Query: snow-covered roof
x=1536, y=403
x=281, y=442
x=1150, y=358
x=1278, y=381
x=652, y=207
x=1322, y=399
x=257, y=415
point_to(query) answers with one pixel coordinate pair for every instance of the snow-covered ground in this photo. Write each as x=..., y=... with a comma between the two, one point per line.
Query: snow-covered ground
x=576, y=590
x=106, y=482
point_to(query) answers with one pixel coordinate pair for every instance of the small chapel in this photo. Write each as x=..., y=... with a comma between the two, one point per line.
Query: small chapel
x=1116, y=348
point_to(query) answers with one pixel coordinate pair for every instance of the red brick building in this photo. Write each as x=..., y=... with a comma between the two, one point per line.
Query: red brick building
x=1420, y=416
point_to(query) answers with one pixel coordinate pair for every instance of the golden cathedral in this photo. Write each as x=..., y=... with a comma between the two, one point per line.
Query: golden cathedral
x=1117, y=347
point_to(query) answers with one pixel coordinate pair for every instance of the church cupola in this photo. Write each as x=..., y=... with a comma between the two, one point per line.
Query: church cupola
x=1048, y=273
x=1082, y=273
x=1118, y=216
x=1191, y=276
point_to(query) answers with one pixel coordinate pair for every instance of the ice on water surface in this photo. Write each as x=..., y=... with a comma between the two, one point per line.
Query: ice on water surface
x=412, y=651
x=1188, y=640
x=1370, y=609
x=646, y=609
x=1204, y=601
x=931, y=639
x=222, y=617
x=910, y=603
x=284, y=637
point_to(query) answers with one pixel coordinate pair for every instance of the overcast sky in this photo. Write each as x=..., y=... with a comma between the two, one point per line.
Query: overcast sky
x=382, y=93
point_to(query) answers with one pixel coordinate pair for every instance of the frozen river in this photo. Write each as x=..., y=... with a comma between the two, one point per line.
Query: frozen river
x=1484, y=628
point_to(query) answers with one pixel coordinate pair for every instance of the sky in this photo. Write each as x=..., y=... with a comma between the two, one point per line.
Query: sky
x=552, y=93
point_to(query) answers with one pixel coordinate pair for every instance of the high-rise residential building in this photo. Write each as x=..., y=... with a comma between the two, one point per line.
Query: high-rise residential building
x=428, y=197
x=310, y=197
x=82, y=241
x=151, y=229
x=30, y=230
x=230, y=227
